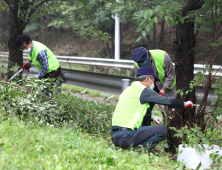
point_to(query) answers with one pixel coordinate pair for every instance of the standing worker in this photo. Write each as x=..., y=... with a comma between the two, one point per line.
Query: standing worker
x=163, y=68
x=127, y=130
x=41, y=57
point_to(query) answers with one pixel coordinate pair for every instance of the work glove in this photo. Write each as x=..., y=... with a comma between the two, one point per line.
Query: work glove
x=188, y=104
x=162, y=92
x=157, y=119
x=26, y=66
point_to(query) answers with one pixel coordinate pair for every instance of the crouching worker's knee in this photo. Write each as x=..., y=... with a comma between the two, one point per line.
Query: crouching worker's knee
x=162, y=131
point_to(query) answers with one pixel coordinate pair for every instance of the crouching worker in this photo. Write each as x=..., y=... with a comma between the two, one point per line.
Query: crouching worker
x=131, y=108
x=42, y=58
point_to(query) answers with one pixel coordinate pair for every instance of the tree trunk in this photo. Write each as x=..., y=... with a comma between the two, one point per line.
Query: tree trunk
x=4, y=23
x=149, y=41
x=162, y=34
x=61, y=30
x=49, y=28
x=15, y=55
x=184, y=44
x=107, y=49
x=121, y=33
x=107, y=43
x=36, y=37
x=43, y=33
x=154, y=35
x=112, y=37
x=79, y=43
x=4, y=27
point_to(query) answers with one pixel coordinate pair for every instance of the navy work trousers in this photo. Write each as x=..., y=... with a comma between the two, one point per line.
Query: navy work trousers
x=147, y=136
x=55, y=81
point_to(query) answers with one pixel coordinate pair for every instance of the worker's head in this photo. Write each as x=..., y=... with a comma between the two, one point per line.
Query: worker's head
x=146, y=76
x=24, y=43
x=141, y=56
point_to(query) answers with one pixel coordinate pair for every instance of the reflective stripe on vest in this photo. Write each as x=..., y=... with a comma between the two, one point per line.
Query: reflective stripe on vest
x=137, y=65
x=52, y=60
x=129, y=111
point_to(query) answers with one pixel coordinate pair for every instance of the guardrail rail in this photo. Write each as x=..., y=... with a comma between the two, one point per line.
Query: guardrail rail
x=127, y=64
x=111, y=83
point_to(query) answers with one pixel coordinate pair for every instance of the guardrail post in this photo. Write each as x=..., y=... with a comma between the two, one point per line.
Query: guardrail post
x=128, y=72
x=125, y=83
x=69, y=65
x=95, y=69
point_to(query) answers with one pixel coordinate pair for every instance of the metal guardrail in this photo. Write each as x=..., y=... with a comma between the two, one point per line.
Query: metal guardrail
x=109, y=83
x=128, y=64
x=97, y=81
x=102, y=82
x=113, y=83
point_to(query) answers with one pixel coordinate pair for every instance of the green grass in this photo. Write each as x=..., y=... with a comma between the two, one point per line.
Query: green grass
x=29, y=146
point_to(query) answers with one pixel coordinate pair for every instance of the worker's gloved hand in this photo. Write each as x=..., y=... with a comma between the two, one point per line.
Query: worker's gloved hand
x=162, y=92
x=157, y=119
x=188, y=104
x=26, y=66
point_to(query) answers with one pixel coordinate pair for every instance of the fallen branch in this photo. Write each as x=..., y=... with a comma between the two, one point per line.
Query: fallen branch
x=217, y=126
x=172, y=158
x=215, y=165
x=3, y=82
x=46, y=97
x=206, y=127
x=216, y=140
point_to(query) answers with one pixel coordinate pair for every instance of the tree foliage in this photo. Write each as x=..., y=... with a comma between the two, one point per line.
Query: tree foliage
x=83, y=17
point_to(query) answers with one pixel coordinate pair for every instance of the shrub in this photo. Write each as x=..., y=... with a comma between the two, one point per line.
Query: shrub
x=25, y=99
